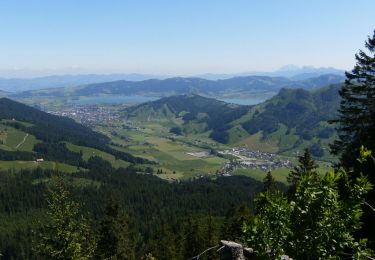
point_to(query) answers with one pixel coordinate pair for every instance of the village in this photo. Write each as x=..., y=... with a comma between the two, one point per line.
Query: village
x=88, y=114
x=245, y=158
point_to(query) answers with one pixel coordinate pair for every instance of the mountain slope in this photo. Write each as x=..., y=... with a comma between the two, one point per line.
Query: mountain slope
x=51, y=133
x=199, y=114
x=297, y=119
x=292, y=120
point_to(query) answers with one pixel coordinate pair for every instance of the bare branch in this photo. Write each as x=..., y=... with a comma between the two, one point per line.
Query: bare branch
x=205, y=251
x=371, y=207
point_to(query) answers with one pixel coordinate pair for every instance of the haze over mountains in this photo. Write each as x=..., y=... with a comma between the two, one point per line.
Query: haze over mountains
x=259, y=88
x=14, y=84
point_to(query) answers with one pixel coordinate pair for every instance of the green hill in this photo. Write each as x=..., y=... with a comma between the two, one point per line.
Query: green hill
x=292, y=120
x=295, y=119
x=198, y=114
x=27, y=133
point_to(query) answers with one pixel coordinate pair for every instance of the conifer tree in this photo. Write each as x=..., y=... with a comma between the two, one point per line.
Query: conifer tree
x=269, y=183
x=356, y=126
x=306, y=167
x=67, y=234
x=114, y=241
x=356, y=122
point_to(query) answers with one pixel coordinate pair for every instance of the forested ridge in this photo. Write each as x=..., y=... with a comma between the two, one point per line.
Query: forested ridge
x=53, y=131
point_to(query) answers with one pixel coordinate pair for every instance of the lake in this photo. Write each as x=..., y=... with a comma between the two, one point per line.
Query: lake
x=243, y=101
x=136, y=99
x=127, y=100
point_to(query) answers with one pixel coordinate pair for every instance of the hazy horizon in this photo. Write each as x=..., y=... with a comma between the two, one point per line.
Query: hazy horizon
x=29, y=74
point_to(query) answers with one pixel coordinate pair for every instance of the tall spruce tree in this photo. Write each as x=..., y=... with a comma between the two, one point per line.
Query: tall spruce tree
x=269, y=183
x=356, y=120
x=356, y=126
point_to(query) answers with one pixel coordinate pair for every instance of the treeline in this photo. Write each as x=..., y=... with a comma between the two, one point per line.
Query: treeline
x=16, y=156
x=167, y=220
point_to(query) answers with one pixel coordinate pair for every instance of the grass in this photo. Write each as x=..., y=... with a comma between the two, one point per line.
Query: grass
x=150, y=142
x=279, y=174
x=22, y=165
x=254, y=142
x=12, y=139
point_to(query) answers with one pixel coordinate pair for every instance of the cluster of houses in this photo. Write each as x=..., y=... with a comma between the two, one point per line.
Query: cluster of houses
x=88, y=115
x=249, y=159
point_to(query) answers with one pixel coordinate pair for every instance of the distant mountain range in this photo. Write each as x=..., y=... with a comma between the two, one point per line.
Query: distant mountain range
x=290, y=71
x=292, y=120
x=57, y=81
x=228, y=88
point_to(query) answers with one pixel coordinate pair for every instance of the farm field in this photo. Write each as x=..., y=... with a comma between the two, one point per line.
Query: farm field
x=20, y=165
x=280, y=174
x=171, y=156
x=180, y=157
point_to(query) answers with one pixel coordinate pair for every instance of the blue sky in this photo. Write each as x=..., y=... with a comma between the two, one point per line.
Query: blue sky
x=180, y=37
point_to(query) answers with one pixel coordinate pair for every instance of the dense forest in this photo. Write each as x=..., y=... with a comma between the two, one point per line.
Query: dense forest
x=168, y=220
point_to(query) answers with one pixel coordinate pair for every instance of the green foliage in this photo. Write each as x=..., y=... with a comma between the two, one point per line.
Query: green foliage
x=315, y=223
x=364, y=154
x=270, y=227
x=66, y=235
